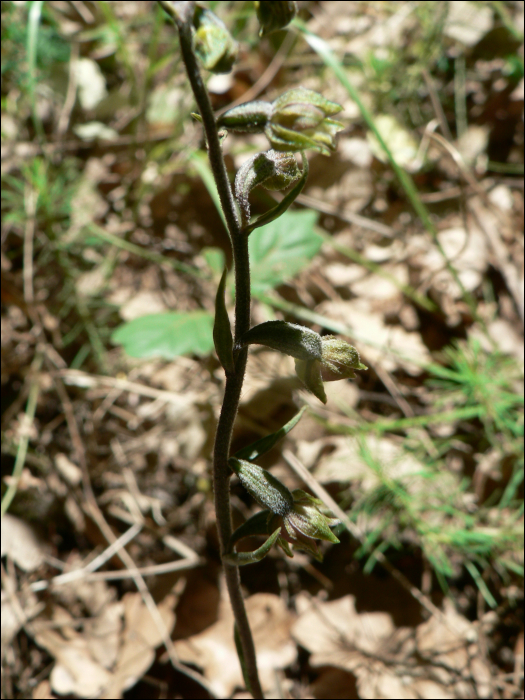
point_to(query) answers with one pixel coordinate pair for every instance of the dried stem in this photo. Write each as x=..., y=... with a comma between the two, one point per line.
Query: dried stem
x=182, y=13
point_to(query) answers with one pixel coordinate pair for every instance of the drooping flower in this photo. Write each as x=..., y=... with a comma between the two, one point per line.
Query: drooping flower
x=338, y=360
x=212, y=42
x=303, y=525
x=299, y=515
x=300, y=120
x=297, y=120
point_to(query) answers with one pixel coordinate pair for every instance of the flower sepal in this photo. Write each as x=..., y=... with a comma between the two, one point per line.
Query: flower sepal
x=338, y=360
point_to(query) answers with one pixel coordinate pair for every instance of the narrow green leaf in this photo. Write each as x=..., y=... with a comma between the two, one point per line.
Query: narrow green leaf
x=222, y=334
x=483, y=588
x=284, y=204
x=243, y=558
x=200, y=161
x=167, y=335
x=265, y=444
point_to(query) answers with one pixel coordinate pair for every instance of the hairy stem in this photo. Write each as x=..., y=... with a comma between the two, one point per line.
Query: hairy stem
x=182, y=13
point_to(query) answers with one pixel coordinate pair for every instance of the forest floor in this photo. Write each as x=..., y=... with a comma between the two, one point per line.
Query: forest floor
x=112, y=250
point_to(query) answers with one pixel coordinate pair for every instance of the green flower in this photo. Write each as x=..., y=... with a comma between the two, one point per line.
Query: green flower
x=297, y=120
x=299, y=515
x=300, y=120
x=338, y=360
x=303, y=524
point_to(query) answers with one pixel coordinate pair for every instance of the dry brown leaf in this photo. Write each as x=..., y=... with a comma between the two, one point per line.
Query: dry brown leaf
x=21, y=544
x=141, y=304
x=114, y=649
x=467, y=22
x=214, y=650
x=139, y=640
x=387, y=661
x=17, y=609
x=75, y=671
x=103, y=634
x=346, y=463
x=368, y=324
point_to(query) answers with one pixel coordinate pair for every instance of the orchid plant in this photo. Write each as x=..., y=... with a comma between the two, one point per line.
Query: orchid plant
x=297, y=121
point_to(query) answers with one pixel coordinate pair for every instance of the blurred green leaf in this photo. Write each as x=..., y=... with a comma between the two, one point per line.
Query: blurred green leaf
x=282, y=249
x=167, y=335
x=215, y=259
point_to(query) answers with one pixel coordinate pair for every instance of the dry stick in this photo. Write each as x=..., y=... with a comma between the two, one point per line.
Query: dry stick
x=182, y=13
x=71, y=93
x=26, y=425
x=30, y=203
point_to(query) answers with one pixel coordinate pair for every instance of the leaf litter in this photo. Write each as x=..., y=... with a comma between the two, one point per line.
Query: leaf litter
x=145, y=426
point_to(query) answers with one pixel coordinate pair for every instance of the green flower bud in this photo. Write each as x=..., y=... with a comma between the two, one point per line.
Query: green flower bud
x=273, y=16
x=338, y=360
x=306, y=521
x=297, y=341
x=263, y=486
x=249, y=118
x=213, y=44
x=286, y=171
x=272, y=170
x=303, y=524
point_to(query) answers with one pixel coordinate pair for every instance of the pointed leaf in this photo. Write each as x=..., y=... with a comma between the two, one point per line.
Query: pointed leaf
x=242, y=660
x=265, y=444
x=222, y=334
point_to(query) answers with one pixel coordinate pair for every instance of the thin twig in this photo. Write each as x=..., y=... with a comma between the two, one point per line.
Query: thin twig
x=26, y=424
